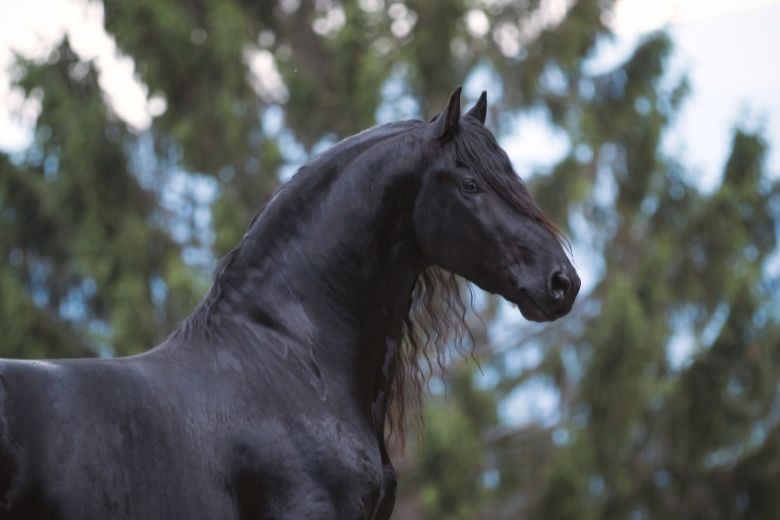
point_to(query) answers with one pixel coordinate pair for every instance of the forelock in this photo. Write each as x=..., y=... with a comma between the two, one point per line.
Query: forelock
x=475, y=148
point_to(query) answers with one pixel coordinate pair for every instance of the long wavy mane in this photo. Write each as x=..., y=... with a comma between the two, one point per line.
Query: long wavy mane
x=434, y=329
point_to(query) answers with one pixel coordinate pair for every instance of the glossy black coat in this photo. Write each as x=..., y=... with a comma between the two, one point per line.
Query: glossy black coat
x=269, y=402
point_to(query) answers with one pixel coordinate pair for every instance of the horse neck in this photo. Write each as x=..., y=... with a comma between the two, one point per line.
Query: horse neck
x=332, y=262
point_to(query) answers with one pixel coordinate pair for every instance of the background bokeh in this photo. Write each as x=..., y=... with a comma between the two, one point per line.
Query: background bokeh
x=138, y=138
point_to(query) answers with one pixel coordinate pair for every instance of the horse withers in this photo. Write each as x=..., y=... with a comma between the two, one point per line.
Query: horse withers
x=270, y=401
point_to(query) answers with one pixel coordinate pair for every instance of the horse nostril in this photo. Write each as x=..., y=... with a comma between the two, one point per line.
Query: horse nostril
x=559, y=285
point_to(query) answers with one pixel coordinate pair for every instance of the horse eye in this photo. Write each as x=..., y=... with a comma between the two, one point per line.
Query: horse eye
x=469, y=185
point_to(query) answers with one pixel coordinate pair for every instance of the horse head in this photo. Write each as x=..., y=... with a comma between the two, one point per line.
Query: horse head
x=474, y=216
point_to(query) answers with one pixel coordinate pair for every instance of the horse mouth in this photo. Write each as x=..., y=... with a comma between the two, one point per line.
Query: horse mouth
x=529, y=308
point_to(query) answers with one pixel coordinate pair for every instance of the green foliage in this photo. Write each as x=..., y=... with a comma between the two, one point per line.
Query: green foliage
x=448, y=485
x=95, y=261
x=81, y=243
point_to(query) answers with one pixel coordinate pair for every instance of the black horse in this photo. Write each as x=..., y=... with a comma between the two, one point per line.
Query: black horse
x=270, y=400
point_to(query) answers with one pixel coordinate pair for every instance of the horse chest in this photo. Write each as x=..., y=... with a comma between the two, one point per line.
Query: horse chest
x=317, y=469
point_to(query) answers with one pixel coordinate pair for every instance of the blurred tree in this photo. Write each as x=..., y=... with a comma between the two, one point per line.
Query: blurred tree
x=99, y=260
x=85, y=248
x=648, y=438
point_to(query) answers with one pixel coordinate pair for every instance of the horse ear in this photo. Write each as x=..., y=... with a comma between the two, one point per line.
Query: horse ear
x=447, y=122
x=479, y=110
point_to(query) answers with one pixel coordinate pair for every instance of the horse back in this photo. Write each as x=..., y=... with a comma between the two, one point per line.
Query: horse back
x=95, y=439
x=24, y=407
